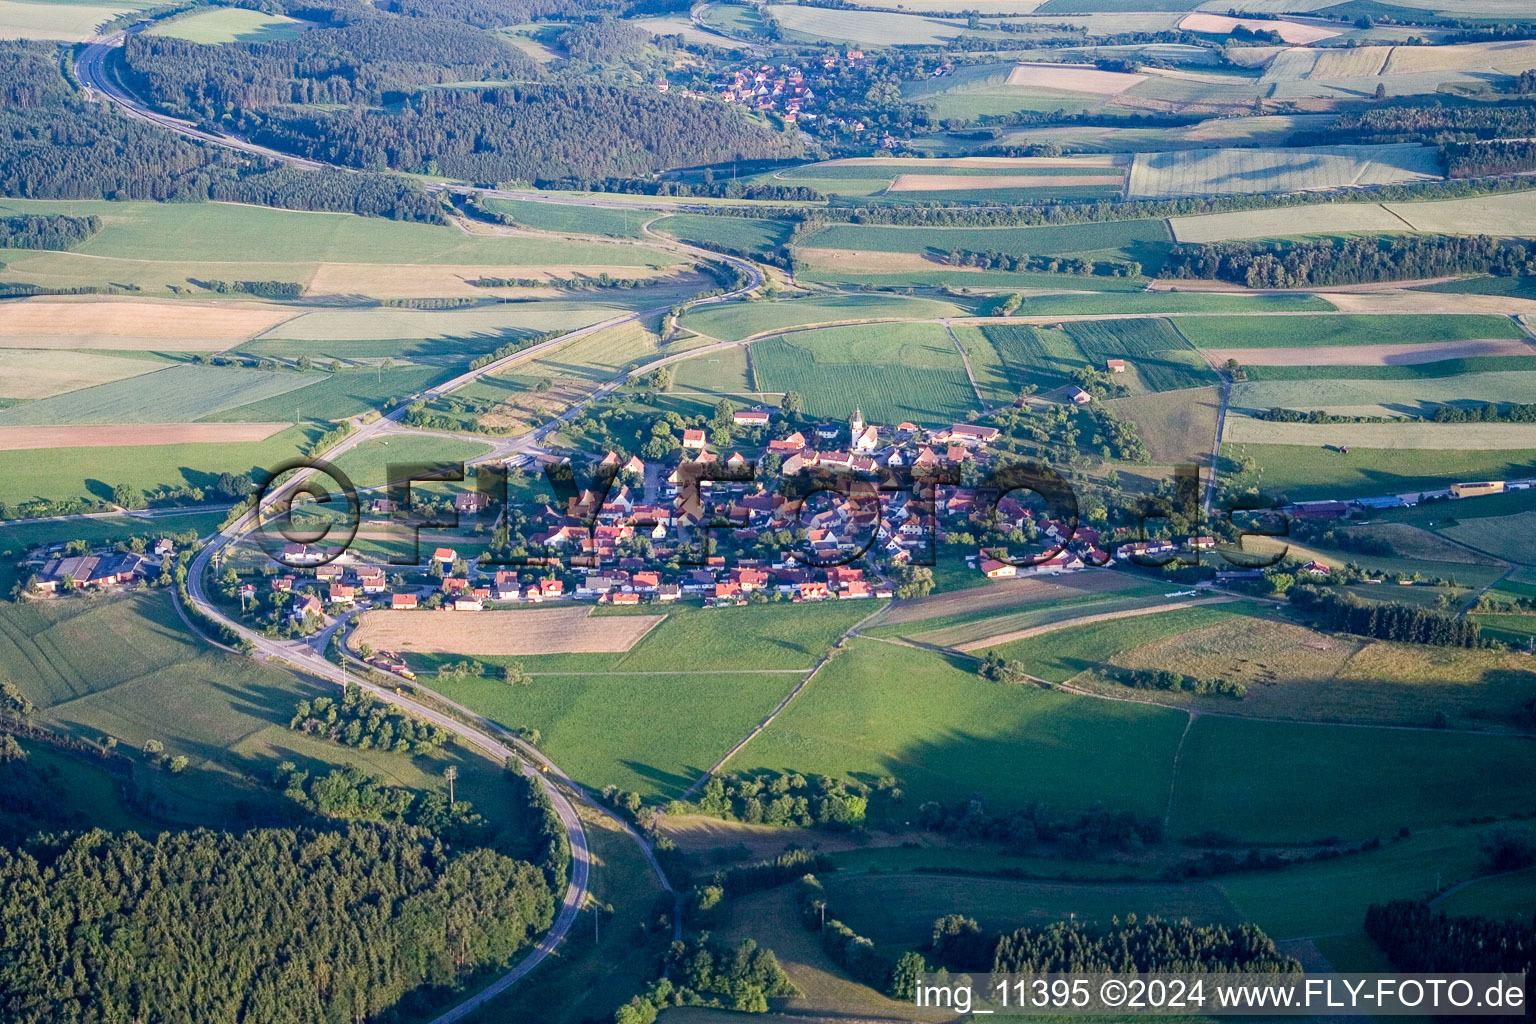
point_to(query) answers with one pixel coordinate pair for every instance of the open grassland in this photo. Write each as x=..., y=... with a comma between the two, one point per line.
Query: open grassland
x=1459, y=436
x=179, y=393
x=741, y=234
x=1367, y=396
x=127, y=324
x=1007, y=357
x=1177, y=427
x=600, y=356
x=1272, y=782
x=996, y=597
x=897, y=912
x=31, y=373
x=1061, y=654
x=1237, y=171
x=1511, y=897
x=733, y=321
x=1223, y=332
x=142, y=434
x=1304, y=472
x=368, y=463
x=650, y=733
x=93, y=472
x=981, y=617
x=209, y=232
x=878, y=709
x=1295, y=673
x=67, y=22
x=983, y=632
x=567, y=630
x=710, y=640
x=1142, y=240
x=586, y=220
x=230, y=25
x=894, y=372
x=128, y=668
x=1508, y=537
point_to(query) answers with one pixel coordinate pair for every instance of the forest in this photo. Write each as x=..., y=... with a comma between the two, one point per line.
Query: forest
x=55, y=145
x=272, y=925
x=48, y=232
x=1416, y=938
x=1357, y=260
x=1149, y=944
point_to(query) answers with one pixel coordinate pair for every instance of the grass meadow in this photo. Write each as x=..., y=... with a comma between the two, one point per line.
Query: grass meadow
x=756, y=235
x=733, y=321
x=1344, y=329
x=892, y=372
x=585, y=220
x=1304, y=472
x=230, y=25
x=1145, y=241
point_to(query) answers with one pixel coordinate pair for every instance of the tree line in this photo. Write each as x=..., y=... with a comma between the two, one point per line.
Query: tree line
x=1417, y=938
x=1327, y=261
x=1386, y=621
x=363, y=721
x=1024, y=262
x=1140, y=945
x=271, y=925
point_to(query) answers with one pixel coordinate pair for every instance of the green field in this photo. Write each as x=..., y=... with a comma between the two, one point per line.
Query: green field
x=1475, y=367
x=586, y=220
x=473, y=330
x=1303, y=472
x=176, y=394
x=230, y=25
x=719, y=372
x=1507, y=537
x=1060, y=655
x=1145, y=241
x=179, y=233
x=128, y=668
x=651, y=734
x=368, y=463
x=1007, y=357
x=1344, y=329
x=739, y=233
x=94, y=472
x=878, y=709
x=893, y=372
x=338, y=395
x=732, y=321
x=1512, y=896
x=946, y=279
x=1270, y=781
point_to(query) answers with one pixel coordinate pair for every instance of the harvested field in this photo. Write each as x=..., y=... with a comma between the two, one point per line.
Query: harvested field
x=68, y=22
x=1412, y=434
x=130, y=324
x=1245, y=171
x=1408, y=354
x=955, y=182
x=859, y=261
x=1513, y=214
x=573, y=630
x=1326, y=218
x=92, y=435
x=1290, y=31
x=404, y=281
x=1431, y=301
x=31, y=374
x=1020, y=162
x=1073, y=78
x=1510, y=57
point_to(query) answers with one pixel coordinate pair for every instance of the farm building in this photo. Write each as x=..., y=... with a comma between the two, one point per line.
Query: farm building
x=1477, y=490
x=1079, y=396
x=88, y=571
x=1115, y=365
x=970, y=434
x=995, y=570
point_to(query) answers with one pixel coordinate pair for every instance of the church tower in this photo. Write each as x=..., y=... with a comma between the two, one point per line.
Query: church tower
x=856, y=424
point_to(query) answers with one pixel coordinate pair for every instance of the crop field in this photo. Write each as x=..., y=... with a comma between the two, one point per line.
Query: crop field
x=133, y=325
x=231, y=25
x=1177, y=427
x=985, y=91
x=1502, y=215
x=649, y=733
x=1305, y=472
x=486, y=326
x=179, y=393
x=1142, y=240
x=570, y=630
x=1457, y=436
x=1328, y=331
x=1239, y=171
x=873, y=28
x=30, y=373
x=692, y=640
x=337, y=395
x=982, y=632
x=1073, y=78
x=1290, y=31
x=893, y=372
x=1304, y=781
x=142, y=434
x=938, y=611
x=408, y=281
x=181, y=233
x=757, y=235
x=68, y=22
x=1372, y=396
x=1408, y=354
x=1046, y=356
x=878, y=709
x=1509, y=537
x=586, y=220
x=600, y=356
x=732, y=321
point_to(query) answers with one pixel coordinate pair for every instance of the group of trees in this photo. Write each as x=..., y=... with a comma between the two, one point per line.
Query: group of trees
x=853, y=952
x=1349, y=261
x=788, y=799
x=1140, y=945
x=1416, y=938
x=281, y=926
x=1404, y=623
x=703, y=972
x=1163, y=679
x=46, y=232
x=363, y=721
x=1073, y=834
x=1024, y=262
x=265, y=289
